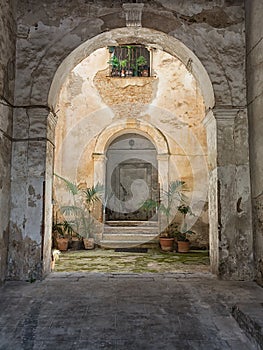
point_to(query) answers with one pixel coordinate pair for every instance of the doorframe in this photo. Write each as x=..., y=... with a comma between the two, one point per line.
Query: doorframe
x=147, y=130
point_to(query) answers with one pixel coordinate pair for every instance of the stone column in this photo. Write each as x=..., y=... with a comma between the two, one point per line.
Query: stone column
x=211, y=132
x=31, y=187
x=231, y=241
x=99, y=168
x=48, y=188
x=163, y=171
x=99, y=178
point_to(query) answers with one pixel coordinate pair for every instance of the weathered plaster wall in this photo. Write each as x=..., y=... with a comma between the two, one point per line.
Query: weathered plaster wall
x=7, y=76
x=170, y=101
x=214, y=31
x=254, y=10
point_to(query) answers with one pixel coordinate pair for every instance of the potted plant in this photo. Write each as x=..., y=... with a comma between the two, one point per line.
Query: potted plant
x=115, y=64
x=141, y=66
x=79, y=213
x=123, y=65
x=167, y=207
x=182, y=232
x=60, y=236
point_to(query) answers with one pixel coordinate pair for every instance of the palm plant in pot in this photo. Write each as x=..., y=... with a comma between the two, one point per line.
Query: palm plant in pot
x=61, y=234
x=78, y=212
x=167, y=208
x=182, y=231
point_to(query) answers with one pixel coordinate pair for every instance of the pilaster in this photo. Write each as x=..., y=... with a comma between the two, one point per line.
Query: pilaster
x=231, y=243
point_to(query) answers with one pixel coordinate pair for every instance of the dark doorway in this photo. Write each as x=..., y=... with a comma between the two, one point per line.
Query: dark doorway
x=131, y=178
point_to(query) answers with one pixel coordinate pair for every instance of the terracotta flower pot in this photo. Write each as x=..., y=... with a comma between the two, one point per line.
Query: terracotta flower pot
x=76, y=243
x=62, y=244
x=89, y=243
x=166, y=244
x=183, y=246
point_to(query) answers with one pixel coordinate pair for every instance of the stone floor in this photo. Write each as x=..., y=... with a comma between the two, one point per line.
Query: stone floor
x=154, y=261
x=91, y=311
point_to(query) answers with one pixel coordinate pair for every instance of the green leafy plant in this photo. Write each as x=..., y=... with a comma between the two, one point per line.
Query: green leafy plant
x=123, y=63
x=167, y=206
x=78, y=215
x=114, y=62
x=141, y=61
x=182, y=231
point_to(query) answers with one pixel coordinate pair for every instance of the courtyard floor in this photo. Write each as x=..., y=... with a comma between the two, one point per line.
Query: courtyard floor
x=154, y=261
x=92, y=311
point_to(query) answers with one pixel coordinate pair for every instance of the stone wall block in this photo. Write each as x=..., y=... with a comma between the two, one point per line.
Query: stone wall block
x=19, y=160
x=254, y=10
x=225, y=144
x=6, y=118
x=37, y=122
x=30, y=123
x=36, y=158
x=21, y=123
x=34, y=212
x=228, y=267
x=256, y=59
x=241, y=138
x=235, y=235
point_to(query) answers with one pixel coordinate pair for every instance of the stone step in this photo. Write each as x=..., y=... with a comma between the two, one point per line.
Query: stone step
x=130, y=237
x=131, y=230
x=131, y=223
x=127, y=244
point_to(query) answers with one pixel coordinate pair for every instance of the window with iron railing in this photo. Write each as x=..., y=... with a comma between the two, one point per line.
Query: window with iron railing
x=129, y=61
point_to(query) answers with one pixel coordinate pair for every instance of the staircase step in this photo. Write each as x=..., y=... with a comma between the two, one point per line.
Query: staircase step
x=131, y=223
x=127, y=244
x=131, y=230
x=130, y=237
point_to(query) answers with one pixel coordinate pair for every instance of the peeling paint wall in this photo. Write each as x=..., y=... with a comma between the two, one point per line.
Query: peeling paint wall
x=254, y=10
x=48, y=32
x=170, y=101
x=7, y=77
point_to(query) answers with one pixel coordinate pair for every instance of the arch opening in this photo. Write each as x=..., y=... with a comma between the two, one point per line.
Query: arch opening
x=171, y=138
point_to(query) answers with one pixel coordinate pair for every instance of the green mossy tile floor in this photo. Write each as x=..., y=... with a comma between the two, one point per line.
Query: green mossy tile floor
x=154, y=261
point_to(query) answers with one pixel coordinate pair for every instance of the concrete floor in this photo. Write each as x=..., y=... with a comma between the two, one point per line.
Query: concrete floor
x=91, y=311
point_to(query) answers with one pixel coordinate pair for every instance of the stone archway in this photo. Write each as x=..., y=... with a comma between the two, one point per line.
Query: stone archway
x=224, y=257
